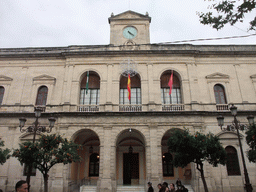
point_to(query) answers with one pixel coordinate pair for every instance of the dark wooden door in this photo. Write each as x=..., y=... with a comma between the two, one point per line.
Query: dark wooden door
x=130, y=167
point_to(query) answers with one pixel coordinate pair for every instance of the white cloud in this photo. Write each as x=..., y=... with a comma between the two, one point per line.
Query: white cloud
x=43, y=23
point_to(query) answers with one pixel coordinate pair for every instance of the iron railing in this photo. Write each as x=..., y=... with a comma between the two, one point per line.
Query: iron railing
x=173, y=107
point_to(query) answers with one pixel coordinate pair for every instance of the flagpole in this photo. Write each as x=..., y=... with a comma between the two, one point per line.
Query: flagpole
x=87, y=83
x=170, y=83
x=129, y=87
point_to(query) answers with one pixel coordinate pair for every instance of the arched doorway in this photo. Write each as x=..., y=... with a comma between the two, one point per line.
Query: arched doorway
x=87, y=170
x=171, y=173
x=130, y=158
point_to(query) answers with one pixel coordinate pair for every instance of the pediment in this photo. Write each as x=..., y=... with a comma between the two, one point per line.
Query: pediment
x=29, y=137
x=129, y=15
x=217, y=76
x=228, y=135
x=5, y=78
x=44, y=79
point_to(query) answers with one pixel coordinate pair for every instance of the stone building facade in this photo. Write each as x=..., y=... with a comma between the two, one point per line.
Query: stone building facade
x=206, y=79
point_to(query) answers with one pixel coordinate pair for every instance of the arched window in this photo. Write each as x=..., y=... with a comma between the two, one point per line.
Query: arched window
x=167, y=165
x=219, y=93
x=42, y=95
x=175, y=97
x=90, y=89
x=135, y=91
x=1, y=94
x=233, y=167
x=94, y=165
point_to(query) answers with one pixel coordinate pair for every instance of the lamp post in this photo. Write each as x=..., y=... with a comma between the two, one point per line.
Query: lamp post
x=236, y=126
x=35, y=128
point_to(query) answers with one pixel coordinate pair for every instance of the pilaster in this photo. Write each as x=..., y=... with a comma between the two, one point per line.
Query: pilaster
x=67, y=86
x=109, y=105
x=154, y=155
x=105, y=180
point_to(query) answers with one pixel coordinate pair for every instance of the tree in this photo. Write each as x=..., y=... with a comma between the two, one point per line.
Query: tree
x=196, y=148
x=46, y=152
x=229, y=11
x=4, y=153
x=251, y=141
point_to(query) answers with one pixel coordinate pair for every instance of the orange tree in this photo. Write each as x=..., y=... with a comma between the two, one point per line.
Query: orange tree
x=46, y=152
x=4, y=153
x=196, y=148
x=251, y=141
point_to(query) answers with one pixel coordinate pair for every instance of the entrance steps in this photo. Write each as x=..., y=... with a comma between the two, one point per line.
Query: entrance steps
x=190, y=189
x=88, y=188
x=121, y=188
x=138, y=188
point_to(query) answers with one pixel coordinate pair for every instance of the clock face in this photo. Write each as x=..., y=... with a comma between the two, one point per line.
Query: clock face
x=130, y=32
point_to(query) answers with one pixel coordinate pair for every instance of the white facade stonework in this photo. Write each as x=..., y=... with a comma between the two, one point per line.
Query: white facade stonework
x=109, y=131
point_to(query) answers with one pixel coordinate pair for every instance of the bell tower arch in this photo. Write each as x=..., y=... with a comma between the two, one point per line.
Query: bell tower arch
x=129, y=28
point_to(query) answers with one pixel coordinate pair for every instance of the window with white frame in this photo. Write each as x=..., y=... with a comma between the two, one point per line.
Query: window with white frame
x=175, y=97
x=135, y=91
x=90, y=90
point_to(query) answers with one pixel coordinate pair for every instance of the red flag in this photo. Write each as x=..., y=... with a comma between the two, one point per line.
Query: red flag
x=129, y=87
x=170, y=83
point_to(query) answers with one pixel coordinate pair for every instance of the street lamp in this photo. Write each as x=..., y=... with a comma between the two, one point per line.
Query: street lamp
x=35, y=128
x=236, y=126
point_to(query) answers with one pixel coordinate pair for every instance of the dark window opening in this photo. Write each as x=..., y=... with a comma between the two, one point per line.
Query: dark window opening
x=167, y=165
x=1, y=94
x=94, y=165
x=233, y=167
x=26, y=170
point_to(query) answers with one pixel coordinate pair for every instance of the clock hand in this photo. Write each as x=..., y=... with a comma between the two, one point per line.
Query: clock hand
x=130, y=33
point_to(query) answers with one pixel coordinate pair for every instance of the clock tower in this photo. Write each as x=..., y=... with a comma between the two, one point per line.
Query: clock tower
x=129, y=28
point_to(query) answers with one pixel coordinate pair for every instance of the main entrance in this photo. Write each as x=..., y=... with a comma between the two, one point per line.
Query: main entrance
x=130, y=168
x=130, y=158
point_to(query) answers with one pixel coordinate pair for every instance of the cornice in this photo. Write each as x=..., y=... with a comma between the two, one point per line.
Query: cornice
x=127, y=114
x=151, y=49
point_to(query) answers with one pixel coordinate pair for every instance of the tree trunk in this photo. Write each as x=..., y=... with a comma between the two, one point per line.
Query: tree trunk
x=28, y=176
x=46, y=182
x=201, y=170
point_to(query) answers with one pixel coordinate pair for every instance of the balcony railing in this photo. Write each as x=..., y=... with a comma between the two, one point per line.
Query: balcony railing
x=88, y=108
x=130, y=108
x=173, y=107
x=222, y=107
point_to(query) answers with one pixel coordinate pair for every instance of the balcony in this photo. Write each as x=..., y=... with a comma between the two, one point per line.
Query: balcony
x=130, y=108
x=88, y=108
x=222, y=107
x=173, y=107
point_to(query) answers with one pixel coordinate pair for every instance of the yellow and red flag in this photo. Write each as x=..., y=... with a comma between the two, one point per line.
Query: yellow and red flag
x=170, y=83
x=129, y=87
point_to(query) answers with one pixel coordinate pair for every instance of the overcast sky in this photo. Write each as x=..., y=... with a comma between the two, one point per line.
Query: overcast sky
x=54, y=23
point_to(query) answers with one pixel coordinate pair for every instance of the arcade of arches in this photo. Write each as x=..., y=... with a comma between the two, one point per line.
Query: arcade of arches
x=130, y=159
